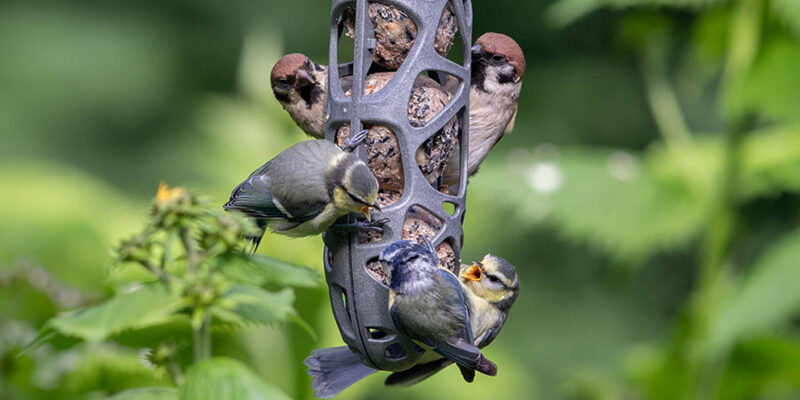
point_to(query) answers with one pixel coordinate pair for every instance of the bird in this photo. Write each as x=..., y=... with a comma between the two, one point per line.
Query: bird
x=304, y=189
x=301, y=87
x=491, y=287
x=497, y=69
x=335, y=369
x=396, y=32
x=428, y=305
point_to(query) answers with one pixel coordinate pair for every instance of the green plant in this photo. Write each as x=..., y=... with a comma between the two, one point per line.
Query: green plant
x=182, y=277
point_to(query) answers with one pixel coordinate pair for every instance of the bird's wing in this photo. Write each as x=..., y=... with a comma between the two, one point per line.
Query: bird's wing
x=491, y=334
x=254, y=197
x=459, y=348
x=450, y=283
x=417, y=373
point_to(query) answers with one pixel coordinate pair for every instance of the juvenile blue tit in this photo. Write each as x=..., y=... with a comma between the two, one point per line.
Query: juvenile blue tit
x=490, y=286
x=304, y=189
x=428, y=305
x=301, y=87
x=498, y=66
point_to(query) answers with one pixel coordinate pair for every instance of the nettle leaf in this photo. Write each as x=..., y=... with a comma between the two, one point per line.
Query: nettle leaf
x=765, y=298
x=789, y=12
x=565, y=12
x=111, y=369
x=604, y=198
x=773, y=86
x=152, y=393
x=247, y=303
x=771, y=161
x=223, y=378
x=148, y=305
x=261, y=270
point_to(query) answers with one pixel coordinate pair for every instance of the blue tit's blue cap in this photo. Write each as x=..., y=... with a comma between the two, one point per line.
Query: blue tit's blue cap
x=403, y=250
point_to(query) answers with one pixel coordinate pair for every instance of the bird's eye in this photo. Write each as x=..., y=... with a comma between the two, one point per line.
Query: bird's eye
x=498, y=57
x=493, y=278
x=283, y=81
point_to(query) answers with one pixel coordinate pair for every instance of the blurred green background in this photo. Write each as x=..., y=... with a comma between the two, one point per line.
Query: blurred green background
x=649, y=194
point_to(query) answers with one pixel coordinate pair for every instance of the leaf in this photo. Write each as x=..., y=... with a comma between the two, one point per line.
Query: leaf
x=260, y=270
x=151, y=393
x=149, y=305
x=773, y=86
x=789, y=12
x=765, y=298
x=565, y=12
x=762, y=365
x=604, y=198
x=247, y=303
x=111, y=369
x=771, y=161
x=224, y=378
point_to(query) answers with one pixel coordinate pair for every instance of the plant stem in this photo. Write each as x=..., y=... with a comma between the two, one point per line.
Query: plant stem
x=157, y=271
x=192, y=255
x=202, y=338
x=174, y=371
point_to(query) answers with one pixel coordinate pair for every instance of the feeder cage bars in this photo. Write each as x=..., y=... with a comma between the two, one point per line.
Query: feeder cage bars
x=359, y=300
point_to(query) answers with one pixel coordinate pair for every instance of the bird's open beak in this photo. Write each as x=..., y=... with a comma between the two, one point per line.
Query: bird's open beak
x=365, y=210
x=303, y=78
x=474, y=273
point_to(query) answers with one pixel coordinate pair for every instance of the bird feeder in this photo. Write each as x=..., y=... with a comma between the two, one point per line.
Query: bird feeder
x=359, y=298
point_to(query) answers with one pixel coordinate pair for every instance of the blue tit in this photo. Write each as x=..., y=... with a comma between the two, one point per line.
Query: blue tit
x=428, y=305
x=304, y=189
x=490, y=286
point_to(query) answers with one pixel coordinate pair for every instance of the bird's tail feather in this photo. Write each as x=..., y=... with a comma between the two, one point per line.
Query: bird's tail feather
x=334, y=369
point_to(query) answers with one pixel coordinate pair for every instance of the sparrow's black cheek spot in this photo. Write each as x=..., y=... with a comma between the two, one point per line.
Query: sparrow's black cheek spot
x=311, y=94
x=506, y=77
x=281, y=96
x=478, y=74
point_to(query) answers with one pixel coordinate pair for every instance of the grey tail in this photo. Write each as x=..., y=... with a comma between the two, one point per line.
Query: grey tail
x=417, y=373
x=334, y=369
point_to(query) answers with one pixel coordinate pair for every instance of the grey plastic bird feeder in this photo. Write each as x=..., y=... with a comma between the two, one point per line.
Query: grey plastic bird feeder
x=358, y=299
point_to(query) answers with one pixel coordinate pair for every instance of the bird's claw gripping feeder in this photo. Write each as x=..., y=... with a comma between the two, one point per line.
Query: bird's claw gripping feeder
x=360, y=300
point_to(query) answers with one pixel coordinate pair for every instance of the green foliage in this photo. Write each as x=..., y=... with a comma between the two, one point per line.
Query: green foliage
x=565, y=12
x=154, y=393
x=222, y=378
x=203, y=276
x=141, y=307
x=766, y=297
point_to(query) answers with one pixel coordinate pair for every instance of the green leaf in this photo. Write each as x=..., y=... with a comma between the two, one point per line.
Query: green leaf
x=789, y=12
x=151, y=393
x=565, y=12
x=223, y=378
x=763, y=368
x=250, y=304
x=771, y=161
x=604, y=198
x=766, y=297
x=148, y=305
x=260, y=270
x=773, y=86
x=111, y=369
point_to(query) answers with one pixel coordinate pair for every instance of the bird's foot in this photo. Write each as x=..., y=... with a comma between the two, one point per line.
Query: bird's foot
x=353, y=141
x=376, y=225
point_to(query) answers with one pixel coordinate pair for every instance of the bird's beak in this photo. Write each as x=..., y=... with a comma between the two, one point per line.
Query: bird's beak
x=477, y=49
x=303, y=78
x=474, y=273
x=365, y=210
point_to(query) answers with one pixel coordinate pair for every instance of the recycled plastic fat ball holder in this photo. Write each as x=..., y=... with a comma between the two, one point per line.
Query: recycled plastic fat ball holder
x=358, y=299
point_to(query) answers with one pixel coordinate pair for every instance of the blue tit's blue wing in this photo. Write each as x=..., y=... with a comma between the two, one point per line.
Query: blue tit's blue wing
x=461, y=307
x=254, y=198
x=459, y=348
